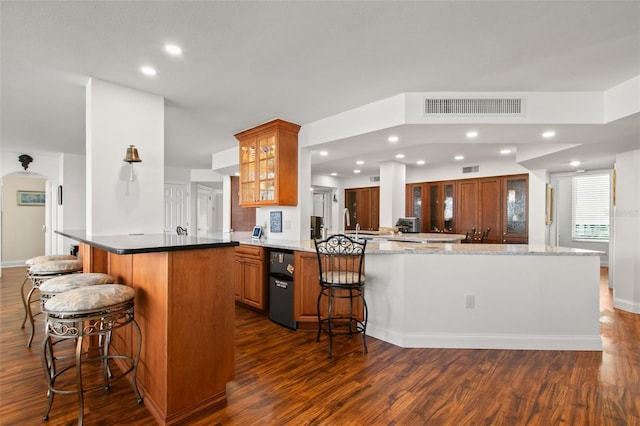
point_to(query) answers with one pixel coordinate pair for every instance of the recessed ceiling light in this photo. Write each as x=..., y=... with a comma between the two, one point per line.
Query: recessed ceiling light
x=393, y=139
x=548, y=134
x=311, y=189
x=148, y=71
x=360, y=162
x=420, y=162
x=459, y=157
x=399, y=155
x=237, y=173
x=356, y=171
x=334, y=174
x=173, y=49
x=574, y=163
x=324, y=153
x=472, y=134
x=505, y=151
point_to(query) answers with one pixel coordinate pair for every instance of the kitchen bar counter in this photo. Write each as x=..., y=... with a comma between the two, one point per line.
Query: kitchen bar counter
x=185, y=308
x=483, y=296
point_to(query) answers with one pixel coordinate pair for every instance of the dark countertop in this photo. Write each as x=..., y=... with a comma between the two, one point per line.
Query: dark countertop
x=146, y=243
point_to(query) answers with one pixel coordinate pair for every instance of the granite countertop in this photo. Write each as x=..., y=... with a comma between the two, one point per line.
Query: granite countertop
x=147, y=243
x=401, y=247
x=432, y=237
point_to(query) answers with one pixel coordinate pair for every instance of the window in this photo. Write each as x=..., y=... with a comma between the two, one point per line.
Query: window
x=590, y=207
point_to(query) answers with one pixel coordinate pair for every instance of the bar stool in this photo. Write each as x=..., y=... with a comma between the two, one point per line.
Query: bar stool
x=82, y=312
x=341, y=268
x=64, y=283
x=33, y=261
x=39, y=273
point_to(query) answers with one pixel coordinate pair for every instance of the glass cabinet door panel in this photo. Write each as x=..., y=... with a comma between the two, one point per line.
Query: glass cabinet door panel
x=417, y=202
x=448, y=207
x=434, y=194
x=516, y=202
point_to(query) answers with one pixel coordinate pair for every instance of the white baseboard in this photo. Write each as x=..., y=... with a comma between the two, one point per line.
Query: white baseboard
x=626, y=305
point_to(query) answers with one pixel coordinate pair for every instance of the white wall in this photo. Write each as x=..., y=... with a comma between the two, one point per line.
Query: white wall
x=625, y=253
x=116, y=118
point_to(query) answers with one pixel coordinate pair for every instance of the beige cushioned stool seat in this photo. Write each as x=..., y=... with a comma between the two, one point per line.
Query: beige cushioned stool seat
x=65, y=283
x=342, y=277
x=47, y=258
x=89, y=298
x=56, y=266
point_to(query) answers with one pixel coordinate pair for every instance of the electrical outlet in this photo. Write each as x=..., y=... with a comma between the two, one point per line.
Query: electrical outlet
x=471, y=301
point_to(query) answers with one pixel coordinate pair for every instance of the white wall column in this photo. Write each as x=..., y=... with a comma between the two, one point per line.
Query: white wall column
x=625, y=245
x=116, y=118
x=392, y=189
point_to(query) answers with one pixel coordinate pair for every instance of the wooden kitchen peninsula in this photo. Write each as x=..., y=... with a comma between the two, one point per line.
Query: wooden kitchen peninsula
x=185, y=308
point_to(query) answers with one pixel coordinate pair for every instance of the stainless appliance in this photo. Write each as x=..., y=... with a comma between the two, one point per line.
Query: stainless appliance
x=281, y=288
x=408, y=224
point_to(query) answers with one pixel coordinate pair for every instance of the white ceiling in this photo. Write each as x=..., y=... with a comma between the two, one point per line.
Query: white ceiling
x=245, y=63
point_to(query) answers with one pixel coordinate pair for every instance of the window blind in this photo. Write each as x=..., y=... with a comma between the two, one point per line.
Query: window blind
x=590, y=207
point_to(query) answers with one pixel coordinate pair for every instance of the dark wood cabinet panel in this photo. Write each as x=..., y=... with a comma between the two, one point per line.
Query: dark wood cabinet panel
x=364, y=207
x=415, y=194
x=251, y=287
x=490, y=207
x=441, y=205
x=467, y=205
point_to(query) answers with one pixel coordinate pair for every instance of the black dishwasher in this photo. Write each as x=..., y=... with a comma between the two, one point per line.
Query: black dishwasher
x=281, y=288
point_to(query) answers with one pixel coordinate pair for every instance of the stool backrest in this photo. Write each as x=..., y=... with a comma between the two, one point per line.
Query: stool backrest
x=341, y=261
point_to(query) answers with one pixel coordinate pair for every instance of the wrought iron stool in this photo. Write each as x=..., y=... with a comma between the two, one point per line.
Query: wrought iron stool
x=64, y=283
x=39, y=273
x=33, y=261
x=84, y=312
x=341, y=267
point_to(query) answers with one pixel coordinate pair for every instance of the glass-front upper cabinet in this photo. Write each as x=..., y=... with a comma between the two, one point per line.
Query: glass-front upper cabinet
x=269, y=164
x=514, y=222
x=415, y=192
x=447, y=207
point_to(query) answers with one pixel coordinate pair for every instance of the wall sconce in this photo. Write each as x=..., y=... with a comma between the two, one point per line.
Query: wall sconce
x=132, y=157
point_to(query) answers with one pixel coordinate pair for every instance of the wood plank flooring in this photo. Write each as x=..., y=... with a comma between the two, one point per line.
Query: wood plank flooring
x=283, y=377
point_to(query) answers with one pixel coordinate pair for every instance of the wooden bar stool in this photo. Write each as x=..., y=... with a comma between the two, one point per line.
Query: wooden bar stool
x=41, y=272
x=83, y=312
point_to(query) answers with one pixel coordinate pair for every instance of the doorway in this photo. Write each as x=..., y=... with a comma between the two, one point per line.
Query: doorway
x=25, y=217
x=204, y=209
x=176, y=200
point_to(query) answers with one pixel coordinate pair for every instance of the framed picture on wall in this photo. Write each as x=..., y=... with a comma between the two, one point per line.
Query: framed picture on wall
x=275, y=224
x=31, y=198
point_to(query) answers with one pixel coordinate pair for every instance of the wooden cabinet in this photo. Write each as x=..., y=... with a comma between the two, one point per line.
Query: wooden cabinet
x=515, y=195
x=496, y=202
x=251, y=286
x=364, y=207
x=307, y=287
x=441, y=206
x=269, y=165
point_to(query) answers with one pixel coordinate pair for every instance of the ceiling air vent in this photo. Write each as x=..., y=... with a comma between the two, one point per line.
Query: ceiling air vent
x=474, y=107
x=471, y=169
x=374, y=179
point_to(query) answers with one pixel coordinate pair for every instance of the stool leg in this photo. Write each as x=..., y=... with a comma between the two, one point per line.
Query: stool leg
x=330, y=322
x=48, y=363
x=136, y=359
x=79, y=380
x=319, y=316
x=30, y=314
x=366, y=318
x=24, y=300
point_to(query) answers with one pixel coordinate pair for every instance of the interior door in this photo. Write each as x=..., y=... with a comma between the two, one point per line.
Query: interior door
x=175, y=207
x=205, y=212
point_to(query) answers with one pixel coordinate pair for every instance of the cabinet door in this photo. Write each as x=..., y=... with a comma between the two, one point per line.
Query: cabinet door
x=448, y=206
x=467, y=208
x=351, y=203
x=247, y=173
x=267, y=151
x=515, y=207
x=374, y=202
x=253, y=283
x=434, y=219
x=414, y=205
x=489, y=216
x=363, y=208
x=306, y=287
x=237, y=288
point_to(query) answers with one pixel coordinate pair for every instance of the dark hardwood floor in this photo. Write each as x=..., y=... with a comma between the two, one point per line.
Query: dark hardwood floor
x=283, y=377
